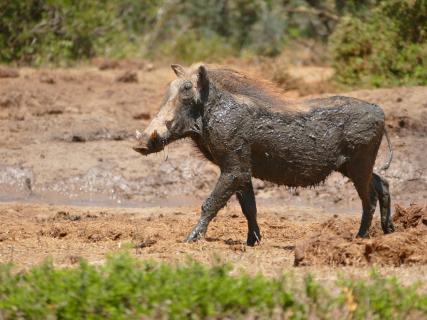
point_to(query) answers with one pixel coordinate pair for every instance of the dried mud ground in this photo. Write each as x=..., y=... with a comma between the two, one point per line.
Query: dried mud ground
x=71, y=187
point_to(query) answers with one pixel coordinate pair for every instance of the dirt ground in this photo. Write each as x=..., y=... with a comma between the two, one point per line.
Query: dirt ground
x=71, y=186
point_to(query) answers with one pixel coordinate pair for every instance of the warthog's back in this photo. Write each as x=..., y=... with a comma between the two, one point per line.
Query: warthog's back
x=303, y=149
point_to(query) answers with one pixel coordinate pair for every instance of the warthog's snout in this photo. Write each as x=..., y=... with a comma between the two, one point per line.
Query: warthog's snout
x=147, y=144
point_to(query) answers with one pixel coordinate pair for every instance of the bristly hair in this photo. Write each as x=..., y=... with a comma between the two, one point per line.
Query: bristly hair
x=245, y=88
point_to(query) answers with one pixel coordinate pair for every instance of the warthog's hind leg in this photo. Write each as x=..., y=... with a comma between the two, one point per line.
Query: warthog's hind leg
x=381, y=187
x=359, y=170
x=369, y=198
x=247, y=202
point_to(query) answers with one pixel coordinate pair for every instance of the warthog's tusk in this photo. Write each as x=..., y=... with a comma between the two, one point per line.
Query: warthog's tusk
x=154, y=135
x=138, y=135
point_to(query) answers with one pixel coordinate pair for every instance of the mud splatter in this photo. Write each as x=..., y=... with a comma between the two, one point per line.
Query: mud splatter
x=334, y=244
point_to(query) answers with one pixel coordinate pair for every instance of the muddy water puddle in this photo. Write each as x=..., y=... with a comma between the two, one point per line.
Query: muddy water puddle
x=14, y=194
x=96, y=188
x=103, y=188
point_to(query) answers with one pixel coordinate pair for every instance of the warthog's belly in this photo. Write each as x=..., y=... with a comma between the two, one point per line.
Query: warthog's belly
x=297, y=169
x=297, y=173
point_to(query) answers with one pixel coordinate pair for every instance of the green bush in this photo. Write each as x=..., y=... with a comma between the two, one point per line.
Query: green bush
x=190, y=47
x=36, y=31
x=371, y=42
x=386, y=47
x=39, y=31
x=125, y=288
x=16, y=28
x=212, y=30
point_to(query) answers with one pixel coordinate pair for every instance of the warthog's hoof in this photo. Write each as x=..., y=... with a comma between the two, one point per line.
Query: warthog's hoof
x=253, y=238
x=190, y=238
x=362, y=235
x=389, y=228
x=195, y=235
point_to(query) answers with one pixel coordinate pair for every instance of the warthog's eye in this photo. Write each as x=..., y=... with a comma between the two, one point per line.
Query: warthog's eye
x=168, y=125
x=188, y=85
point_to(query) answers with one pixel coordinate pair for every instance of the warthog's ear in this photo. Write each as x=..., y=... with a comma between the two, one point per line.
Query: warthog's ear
x=178, y=69
x=202, y=79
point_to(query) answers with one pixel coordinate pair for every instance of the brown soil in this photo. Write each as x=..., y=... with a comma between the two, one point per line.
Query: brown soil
x=65, y=145
x=8, y=72
x=334, y=243
x=32, y=233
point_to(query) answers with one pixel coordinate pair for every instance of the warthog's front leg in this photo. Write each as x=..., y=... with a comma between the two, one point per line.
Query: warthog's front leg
x=228, y=183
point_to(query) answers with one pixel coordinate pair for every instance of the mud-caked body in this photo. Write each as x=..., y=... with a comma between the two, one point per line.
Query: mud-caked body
x=295, y=150
x=244, y=136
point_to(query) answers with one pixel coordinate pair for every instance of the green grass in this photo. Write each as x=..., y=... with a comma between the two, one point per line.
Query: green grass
x=125, y=288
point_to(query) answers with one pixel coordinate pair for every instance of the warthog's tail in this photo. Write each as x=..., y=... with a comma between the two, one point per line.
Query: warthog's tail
x=390, y=152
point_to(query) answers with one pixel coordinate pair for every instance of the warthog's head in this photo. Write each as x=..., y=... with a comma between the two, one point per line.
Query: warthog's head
x=179, y=115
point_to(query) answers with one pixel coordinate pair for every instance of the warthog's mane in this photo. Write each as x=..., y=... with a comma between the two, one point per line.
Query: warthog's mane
x=245, y=88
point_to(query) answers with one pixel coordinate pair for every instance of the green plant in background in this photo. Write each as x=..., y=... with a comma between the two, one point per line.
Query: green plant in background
x=267, y=35
x=37, y=31
x=371, y=42
x=386, y=47
x=85, y=28
x=17, y=37
x=194, y=30
x=125, y=288
x=383, y=298
x=198, y=30
x=190, y=47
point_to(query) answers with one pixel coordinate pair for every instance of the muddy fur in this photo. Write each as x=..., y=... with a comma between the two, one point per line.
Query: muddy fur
x=230, y=118
x=248, y=90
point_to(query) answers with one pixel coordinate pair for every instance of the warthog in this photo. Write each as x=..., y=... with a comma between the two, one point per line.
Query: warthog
x=231, y=119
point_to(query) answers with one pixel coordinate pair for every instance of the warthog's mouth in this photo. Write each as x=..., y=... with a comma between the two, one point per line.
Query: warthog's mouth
x=142, y=150
x=152, y=144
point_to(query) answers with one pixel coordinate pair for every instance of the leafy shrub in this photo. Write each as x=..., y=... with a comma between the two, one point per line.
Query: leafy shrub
x=125, y=288
x=16, y=28
x=193, y=30
x=190, y=47
x=37, y=31
x=388, y=47
x=267, y=35
x=371, y=42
